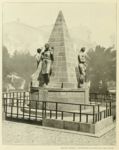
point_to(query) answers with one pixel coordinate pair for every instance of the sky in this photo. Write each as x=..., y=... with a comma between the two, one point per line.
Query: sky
x=100, y=18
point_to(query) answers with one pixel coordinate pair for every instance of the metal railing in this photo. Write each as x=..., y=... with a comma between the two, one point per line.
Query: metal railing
x=20, y=109
x=18, y=105
x=93, y=115
x=15, y=95
x=102, y=97
x=20, y=94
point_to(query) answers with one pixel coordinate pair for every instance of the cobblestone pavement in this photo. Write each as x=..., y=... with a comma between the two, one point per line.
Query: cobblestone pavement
x=21, y=133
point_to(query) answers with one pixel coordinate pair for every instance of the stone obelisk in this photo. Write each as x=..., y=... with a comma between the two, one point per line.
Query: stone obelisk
x=64, y=66
x=63, y=80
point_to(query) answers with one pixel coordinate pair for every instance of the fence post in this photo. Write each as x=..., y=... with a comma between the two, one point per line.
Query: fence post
x=104, y=113
x=106, y=109
x=17, y=95
x=10, y=98
x=50, y=113
x=90, y=97
x=12, y=108
x=29, y=109
x=17, y=107
x=73, y=116
x=80, y=112
x=98, y=112
x=43, y=109
x=5, y=107
x=62, y=115
x=93, y=114
x=24, y=96
x=3, y=103
x=13, y=98
x=20, y=94
x=20, y=99
x=56, y=109
x=36, y=111
x=101, y=97
x=23, y=107
x=86, y=118
x=110, y=108
x=96, y=98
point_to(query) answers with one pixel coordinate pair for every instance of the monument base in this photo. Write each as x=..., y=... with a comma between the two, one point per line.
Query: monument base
x=81, y=127
x=75, y=96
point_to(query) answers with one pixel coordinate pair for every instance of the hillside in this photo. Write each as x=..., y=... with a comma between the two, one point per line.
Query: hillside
x=24, y=38
x=21, y=37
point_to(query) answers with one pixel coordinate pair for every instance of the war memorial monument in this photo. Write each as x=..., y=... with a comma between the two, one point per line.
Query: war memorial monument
x=63, y=85
x=66, y=86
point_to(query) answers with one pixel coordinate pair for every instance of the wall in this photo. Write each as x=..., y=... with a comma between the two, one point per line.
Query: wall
x=77, y=126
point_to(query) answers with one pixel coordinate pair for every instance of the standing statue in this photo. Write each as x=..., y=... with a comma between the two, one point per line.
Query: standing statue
x=82, y=67
x=47, y=61
x=36, y=76
x=38, y=56
x=44, y=59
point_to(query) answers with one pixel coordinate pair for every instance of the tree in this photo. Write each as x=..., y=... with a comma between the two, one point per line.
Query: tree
x=5, y=62
x=24, y=65
x=21, y=63
x=101, y=67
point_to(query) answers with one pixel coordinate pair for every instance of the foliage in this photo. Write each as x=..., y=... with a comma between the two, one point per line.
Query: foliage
x=21, y=63
x=101, y=67
x=5, y=62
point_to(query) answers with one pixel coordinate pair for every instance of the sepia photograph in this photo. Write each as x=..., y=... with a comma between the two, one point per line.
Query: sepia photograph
x=59, y=73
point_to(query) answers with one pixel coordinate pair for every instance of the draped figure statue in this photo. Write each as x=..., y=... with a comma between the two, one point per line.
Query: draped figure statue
x=82, y=67
x=38, y=56
x=47, y=61
x=44, y=66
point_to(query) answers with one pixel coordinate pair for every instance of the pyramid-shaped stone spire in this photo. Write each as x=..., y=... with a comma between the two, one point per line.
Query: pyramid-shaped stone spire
x=64, y=65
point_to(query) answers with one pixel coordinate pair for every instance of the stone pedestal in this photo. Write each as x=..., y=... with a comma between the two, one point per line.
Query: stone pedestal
x=38, y=94
x=35, y=83
x=75, y=96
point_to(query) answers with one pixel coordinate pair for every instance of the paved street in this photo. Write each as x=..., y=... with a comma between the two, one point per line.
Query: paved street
x=21, y=133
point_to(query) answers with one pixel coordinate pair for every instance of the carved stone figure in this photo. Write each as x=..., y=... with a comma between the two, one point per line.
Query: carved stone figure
x=47, y=60
x=82, y=66
x=38, y=57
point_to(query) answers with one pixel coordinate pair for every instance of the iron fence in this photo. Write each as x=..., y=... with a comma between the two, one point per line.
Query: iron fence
x=18, y=105
x=16, y=108
x=102, y=97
